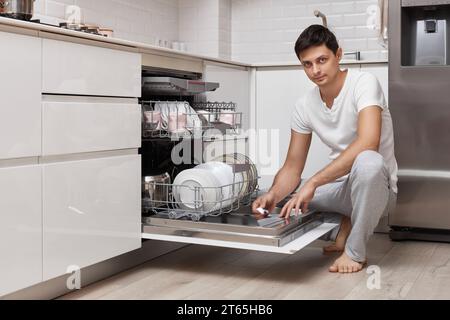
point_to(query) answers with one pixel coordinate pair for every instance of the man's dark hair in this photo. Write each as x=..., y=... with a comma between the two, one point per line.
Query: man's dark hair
x=314, y=36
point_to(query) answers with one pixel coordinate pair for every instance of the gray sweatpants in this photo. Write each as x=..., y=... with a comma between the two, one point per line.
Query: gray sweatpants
x=364, y=196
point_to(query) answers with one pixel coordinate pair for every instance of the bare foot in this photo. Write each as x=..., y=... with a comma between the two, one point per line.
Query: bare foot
x=341, y=239
x=344, y=264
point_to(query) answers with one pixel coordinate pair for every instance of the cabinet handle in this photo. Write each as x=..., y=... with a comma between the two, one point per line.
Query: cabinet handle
x=384, y=22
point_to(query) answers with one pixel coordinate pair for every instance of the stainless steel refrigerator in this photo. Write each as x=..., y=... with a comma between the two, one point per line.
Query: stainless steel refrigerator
x=419, y=97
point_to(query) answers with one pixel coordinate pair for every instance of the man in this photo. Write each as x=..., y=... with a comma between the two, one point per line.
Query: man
x=348, y=112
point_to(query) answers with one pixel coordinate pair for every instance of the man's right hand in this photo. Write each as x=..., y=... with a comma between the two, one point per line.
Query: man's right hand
x=266, y=201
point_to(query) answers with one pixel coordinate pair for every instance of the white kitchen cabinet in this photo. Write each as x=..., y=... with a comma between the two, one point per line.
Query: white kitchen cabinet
x=234, y=87
x=20, y=83
x=76, y=69
x=277, y=92
x=20, y=228
x=381, y=71
x=74, y=125
x=224, y=145
x=91, y=211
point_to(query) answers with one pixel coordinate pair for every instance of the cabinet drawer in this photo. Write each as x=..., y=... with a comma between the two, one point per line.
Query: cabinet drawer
x=20, y=228
x=76, y=127
x=70, y=68
x=20, y=110
x=91, y=211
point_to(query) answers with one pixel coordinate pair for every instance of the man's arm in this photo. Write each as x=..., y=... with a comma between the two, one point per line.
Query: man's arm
x=289, y=176
x=368, y=138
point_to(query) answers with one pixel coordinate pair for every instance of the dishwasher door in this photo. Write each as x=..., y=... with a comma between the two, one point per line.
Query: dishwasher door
x=241, y=230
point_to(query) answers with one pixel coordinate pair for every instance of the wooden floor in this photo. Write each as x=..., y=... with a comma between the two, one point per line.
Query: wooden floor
x=409, y=270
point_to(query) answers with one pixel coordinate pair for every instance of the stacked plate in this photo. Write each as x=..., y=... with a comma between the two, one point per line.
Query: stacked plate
x=196, y=190
x=250, y=176
x=208, y=187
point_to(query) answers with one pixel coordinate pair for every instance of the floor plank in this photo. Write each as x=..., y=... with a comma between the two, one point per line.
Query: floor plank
x=434, y=281
x=400, y=268
x=409, y=270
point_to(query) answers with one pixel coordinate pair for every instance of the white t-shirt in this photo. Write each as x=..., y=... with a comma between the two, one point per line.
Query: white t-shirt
x=337, y=126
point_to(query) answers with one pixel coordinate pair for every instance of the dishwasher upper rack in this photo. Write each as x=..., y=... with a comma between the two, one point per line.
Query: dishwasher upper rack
x=177, y=119
x=240, y=193
x=215, y=106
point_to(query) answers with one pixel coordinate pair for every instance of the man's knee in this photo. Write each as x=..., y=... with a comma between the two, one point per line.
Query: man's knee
x=368, y=164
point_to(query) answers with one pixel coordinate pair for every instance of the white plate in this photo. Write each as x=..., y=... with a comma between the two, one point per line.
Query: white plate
x=241, y=178
x=184, y=190
x=252, y=173
x=224, y=174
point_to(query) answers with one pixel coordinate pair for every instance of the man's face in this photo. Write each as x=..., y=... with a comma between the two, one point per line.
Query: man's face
x=321, y=64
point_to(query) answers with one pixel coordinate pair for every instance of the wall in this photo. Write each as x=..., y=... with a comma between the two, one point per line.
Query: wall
x=205, y=26
x=136, y=20
x=243, y=30
x=266, y=30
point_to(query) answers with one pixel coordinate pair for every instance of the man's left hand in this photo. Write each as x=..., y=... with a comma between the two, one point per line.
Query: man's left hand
x=299, y=201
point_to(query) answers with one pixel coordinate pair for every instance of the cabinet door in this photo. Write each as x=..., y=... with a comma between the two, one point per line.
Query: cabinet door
x=20, y=83
x=381, y=71
x=89, y=125
x=91, y=210
x=70, y=68
x=234, y=87
x=277, y=92
x=224, y=145
x=20, y=228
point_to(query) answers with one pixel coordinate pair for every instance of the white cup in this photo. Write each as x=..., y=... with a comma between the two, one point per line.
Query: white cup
x=177, y=122
x=176, y=45
x=183, y=46
x=228, y=118
x=152, y=116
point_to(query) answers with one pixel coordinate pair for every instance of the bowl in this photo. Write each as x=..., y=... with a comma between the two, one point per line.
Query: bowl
x=228, y=183
x=196, y=190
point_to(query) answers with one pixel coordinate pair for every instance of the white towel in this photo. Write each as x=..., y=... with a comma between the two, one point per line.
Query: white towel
x=384, y=21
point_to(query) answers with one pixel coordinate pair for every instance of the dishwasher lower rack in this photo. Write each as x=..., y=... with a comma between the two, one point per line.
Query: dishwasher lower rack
x=201, y=201
x=231, y=225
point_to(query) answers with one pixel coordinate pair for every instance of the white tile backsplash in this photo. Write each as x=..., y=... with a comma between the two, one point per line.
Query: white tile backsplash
x=205, y=26
x=136, y=20
x=266, y=30
x=243, y=30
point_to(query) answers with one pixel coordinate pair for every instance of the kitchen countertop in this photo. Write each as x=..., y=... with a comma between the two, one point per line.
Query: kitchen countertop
x=144, y=46
x=293, y=63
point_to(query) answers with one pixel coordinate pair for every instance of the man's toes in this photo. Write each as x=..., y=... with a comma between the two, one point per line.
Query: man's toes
x=333, y=268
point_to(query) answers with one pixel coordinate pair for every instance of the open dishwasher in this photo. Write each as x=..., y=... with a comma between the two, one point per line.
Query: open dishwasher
x=182, y=133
